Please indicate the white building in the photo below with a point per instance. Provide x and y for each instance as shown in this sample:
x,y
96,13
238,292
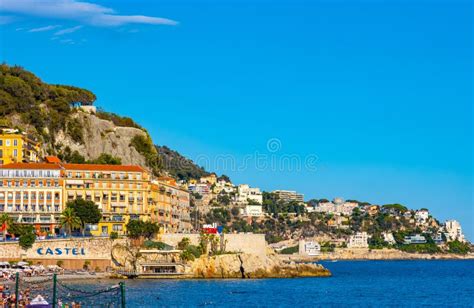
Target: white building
x,y
289,195
422,215
227,187
201,189
346,208
246,194
415,239
359,240
310,208
388,237
252,210
309,248
454,231
337,206
326,207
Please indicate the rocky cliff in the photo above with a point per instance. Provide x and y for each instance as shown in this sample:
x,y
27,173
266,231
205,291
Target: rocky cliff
x,y
252,266
103,136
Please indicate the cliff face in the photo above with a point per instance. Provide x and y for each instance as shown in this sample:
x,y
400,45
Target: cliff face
x,y
102,136
252,266
99,136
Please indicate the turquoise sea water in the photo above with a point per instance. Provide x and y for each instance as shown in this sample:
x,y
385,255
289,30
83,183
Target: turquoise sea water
x,y
354,283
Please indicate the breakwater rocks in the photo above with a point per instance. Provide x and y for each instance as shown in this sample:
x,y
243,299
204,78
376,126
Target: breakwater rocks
x,y
252,266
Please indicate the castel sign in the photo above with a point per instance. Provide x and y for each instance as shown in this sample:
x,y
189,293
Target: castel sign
x,y
61,251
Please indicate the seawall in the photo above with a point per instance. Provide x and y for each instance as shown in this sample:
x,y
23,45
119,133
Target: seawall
x,y
243,242
72,252
376,254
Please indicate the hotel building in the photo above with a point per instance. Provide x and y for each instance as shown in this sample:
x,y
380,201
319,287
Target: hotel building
x,y
32,193
37,194
119,191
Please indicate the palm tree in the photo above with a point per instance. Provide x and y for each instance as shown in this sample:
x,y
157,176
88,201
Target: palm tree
x,y
5,222
69,218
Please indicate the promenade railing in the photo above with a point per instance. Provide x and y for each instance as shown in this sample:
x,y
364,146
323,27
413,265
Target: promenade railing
x,y
59,293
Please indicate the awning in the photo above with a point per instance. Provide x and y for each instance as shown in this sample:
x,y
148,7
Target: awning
x,y
88,193
76,182
70,193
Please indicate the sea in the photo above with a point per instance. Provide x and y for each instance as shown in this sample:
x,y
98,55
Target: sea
x,y
353,284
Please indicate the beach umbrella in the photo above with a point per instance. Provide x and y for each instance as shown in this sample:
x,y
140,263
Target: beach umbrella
x,y
39,302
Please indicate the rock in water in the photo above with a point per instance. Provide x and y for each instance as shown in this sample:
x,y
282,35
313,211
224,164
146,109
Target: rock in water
x,y
252,266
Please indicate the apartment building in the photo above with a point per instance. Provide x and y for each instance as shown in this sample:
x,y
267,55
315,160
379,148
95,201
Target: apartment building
x,y
454,231
16,146
248,195
32,193
289,195
170,205
119,191
359,240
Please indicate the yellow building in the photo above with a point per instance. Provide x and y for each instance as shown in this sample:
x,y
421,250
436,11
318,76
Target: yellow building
x,y
16,146
121,193
170,205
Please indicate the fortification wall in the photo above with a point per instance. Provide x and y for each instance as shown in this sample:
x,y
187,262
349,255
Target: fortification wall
x,y
242,242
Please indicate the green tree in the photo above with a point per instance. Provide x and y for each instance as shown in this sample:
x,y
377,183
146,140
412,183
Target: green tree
x,y
87,211
70,220
27,239
184,243
223,199
138,228
26,233
458,247
107,159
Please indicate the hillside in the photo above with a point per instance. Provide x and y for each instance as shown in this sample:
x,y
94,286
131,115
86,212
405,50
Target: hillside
x,y
179,166
47,112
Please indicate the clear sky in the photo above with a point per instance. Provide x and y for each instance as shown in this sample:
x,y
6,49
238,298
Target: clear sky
x,y
368,100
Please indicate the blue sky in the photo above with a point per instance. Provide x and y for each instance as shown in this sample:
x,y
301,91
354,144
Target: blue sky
x,y
369,100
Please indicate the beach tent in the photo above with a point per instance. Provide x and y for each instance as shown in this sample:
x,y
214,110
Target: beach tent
x,y
39,302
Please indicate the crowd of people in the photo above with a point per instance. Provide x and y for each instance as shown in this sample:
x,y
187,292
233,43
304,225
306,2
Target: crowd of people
x,y
8,298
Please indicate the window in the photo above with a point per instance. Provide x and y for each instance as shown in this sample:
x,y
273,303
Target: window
x,y
1,152
15,142
15,153
7,142
1,142
117,227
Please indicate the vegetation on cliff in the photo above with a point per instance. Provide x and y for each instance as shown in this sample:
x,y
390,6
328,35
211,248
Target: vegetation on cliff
x,y
179,166
43,106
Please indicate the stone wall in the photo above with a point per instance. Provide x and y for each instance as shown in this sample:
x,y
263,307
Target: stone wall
x,y
175,238
73,252
242,242
246,243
